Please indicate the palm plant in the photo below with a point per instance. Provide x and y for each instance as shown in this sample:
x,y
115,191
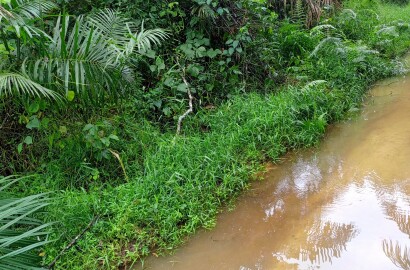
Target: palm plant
x,y
89,55
20,15
20,233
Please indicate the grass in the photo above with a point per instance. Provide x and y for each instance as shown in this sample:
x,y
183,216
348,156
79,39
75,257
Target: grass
x,y
187,179
178,184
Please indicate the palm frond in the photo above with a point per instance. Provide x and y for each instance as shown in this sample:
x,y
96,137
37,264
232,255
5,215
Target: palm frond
x,y
89,55
145,39
79,58
124,34
33,9
18,84
20,233
204,12
112,24
20,12
4,13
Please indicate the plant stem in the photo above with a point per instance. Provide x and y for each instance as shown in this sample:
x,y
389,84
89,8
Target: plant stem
x,y
18,50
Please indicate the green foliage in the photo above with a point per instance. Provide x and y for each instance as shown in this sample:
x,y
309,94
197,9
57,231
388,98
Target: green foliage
x,y
98,141
17,84
92,57
261,86
398,2
21,235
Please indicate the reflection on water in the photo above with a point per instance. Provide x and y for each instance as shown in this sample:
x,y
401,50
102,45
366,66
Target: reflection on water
x,y
398,255
323,242
400,216
343,206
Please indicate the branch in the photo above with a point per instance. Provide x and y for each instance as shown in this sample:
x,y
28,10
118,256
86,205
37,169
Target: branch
x,y
74,241
191,108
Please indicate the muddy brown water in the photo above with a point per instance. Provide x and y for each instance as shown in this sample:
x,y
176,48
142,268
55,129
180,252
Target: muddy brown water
x,y
343,205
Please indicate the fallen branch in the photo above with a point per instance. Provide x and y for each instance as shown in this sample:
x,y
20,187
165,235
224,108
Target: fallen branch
x,y
74,241
191,107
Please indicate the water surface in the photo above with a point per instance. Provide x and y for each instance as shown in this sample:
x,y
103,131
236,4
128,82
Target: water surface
x,y
343,205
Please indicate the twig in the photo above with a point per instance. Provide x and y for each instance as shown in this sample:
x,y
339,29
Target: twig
x,y
74,241
191,108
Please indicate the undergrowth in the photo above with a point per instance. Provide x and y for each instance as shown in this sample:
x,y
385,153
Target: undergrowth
x,y
149,188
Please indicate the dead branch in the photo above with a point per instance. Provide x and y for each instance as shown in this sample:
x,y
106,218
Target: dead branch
x,y
74,241
191,107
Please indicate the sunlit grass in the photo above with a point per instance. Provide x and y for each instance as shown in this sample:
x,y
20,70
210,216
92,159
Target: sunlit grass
x,y
387,12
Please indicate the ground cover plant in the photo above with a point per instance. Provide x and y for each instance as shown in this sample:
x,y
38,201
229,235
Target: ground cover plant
x,y
91,99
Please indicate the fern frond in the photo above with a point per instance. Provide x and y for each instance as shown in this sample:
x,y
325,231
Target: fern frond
x,y
313,84
323,29
204,12
328,40
388,30
349,14
298,14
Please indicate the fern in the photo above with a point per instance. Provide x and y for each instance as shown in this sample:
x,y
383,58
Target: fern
x,y
349,14
388,31
323,29
326,41
298,14
313,84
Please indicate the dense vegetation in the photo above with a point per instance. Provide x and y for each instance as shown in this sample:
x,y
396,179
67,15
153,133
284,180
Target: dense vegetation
x,y
140,119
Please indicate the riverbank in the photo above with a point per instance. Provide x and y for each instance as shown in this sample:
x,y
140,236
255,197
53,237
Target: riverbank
x,y
177,184
317,209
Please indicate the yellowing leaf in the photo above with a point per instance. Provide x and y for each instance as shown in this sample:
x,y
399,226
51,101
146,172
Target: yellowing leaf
x,y
70,95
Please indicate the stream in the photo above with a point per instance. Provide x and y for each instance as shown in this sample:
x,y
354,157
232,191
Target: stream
x,y
342,205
